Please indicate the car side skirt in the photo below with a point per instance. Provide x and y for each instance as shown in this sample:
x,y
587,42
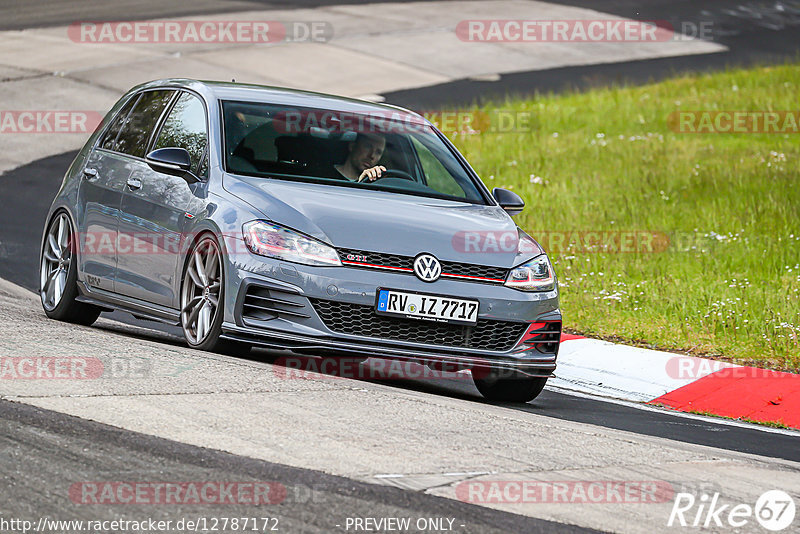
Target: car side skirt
x,y
138,308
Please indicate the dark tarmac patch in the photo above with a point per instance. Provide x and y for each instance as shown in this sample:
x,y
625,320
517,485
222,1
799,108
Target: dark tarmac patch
x,y
46,453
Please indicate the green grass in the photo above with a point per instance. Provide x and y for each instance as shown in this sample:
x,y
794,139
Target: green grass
x,y
728,283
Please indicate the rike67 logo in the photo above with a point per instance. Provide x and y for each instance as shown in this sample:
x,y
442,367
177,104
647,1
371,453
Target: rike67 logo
x,y
774,510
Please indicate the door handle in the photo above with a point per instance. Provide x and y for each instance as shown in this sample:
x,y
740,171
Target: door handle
x,y
90,173
134,184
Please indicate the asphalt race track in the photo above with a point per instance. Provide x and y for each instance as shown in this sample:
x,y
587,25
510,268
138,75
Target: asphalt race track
x,y
47,444
752,36
752,39
221,422
32,186
57,12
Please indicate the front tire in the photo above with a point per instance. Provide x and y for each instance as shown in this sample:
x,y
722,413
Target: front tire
x,y
58,275
202,300
508,386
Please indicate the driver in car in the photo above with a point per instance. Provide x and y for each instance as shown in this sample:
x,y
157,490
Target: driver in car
x,y
364,154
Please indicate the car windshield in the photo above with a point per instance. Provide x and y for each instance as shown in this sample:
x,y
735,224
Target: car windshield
x,y
344,149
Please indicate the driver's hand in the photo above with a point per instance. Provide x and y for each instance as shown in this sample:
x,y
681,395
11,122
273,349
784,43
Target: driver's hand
x,y
372,174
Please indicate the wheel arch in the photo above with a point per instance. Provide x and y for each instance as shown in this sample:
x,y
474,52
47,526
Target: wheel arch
x,y
203,229
192,241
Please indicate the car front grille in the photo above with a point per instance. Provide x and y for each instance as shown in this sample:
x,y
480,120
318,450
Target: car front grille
x,y
395,262
361,320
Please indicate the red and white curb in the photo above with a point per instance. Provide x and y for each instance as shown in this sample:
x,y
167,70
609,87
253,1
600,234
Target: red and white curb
x,y
683,383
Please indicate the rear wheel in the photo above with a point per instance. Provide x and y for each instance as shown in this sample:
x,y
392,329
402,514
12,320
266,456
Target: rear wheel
x,y
202,300
508,386
58,275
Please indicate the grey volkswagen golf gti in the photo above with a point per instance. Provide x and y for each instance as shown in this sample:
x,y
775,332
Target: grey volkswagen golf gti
x,y
257,216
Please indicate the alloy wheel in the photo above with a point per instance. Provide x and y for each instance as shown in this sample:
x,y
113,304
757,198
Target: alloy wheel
x,y
201,291
56,256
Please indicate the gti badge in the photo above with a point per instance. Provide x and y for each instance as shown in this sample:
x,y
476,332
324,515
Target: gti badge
x,y
427,268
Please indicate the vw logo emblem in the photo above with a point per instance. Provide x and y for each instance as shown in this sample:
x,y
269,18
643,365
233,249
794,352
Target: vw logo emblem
x,y
427,268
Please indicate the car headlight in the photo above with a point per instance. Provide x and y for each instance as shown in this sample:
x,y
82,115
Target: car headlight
x,y
534,275
268,239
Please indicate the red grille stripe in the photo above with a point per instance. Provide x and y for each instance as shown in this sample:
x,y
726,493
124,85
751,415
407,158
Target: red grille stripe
x,y
407,270
404,269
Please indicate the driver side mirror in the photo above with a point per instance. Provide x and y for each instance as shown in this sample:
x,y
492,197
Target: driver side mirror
x,y
174,161
508,200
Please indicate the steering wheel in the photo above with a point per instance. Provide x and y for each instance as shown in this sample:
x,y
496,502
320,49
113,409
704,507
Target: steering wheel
x,y
395,173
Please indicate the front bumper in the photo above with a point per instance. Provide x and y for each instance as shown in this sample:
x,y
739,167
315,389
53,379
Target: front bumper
x,y
272,304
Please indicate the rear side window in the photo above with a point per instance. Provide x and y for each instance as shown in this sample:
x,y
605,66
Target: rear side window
x,y
185,127
140,123
110,138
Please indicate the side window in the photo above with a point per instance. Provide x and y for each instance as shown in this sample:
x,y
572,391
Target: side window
x,y
139,125
186,128
436,175
110,138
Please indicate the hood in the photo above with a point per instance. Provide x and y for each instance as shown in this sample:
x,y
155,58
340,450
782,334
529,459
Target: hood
x,y
392,223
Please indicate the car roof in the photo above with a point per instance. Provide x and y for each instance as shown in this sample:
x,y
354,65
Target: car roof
x,y
279,96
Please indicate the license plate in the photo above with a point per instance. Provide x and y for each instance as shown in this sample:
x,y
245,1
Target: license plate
x,y
427,307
